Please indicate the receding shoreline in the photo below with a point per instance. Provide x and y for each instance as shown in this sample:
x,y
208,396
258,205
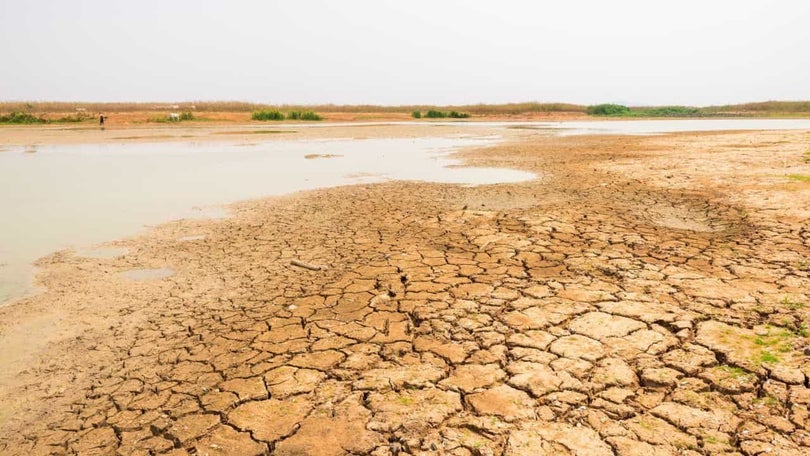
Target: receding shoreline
x,y
648,285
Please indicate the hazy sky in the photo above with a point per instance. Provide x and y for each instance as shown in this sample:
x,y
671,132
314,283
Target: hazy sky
x,y
402,52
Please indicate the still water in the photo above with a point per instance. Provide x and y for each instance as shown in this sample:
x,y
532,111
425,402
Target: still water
x,y
56,197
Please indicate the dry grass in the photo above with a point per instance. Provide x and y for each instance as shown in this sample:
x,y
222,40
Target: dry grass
x,y
761,109
236,106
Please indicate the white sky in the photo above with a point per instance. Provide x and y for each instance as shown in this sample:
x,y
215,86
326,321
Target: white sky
x,y
403,52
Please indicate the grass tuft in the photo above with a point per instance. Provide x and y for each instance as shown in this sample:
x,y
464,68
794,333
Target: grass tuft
x,y
799,177
768,357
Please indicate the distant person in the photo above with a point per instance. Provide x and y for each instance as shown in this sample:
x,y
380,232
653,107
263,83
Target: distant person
x,y
101,120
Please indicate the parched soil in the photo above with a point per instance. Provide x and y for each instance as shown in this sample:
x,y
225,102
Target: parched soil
x,y
644,296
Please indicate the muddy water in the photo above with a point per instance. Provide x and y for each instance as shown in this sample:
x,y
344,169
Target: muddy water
x,y
605,126
58,197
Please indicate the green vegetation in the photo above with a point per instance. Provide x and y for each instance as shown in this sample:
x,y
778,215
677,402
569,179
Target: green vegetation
x,y
761,109
616,110
736,372
799,177
768,357
303,115
273,114
608,110
434,114
765,108
791,304
777,340
267,114
668,111
19,117
416,114
185,115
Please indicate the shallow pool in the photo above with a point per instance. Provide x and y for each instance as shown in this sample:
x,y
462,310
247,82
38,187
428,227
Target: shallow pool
x,y
56,197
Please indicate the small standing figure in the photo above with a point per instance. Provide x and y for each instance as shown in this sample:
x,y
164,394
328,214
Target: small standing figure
x,y
101,120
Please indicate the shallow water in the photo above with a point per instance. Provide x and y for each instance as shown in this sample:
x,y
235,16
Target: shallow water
x,y
81,195
607,126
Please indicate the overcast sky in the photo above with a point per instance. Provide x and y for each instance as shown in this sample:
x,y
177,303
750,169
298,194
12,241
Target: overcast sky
x,y
406,52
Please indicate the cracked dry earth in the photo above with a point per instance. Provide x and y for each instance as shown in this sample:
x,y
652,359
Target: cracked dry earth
x,y
627,302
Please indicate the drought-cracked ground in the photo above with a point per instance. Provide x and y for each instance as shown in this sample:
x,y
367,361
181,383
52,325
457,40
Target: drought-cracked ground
x,y
644,296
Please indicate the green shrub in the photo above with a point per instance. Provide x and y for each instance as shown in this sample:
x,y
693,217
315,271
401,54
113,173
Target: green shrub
x,y
186,115
267,114
458,115
303,115
433,114
416,114
18,117
310,115
608,110
669,111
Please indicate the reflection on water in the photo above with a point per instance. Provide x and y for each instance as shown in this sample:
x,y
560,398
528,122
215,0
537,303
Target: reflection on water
x,y
79,195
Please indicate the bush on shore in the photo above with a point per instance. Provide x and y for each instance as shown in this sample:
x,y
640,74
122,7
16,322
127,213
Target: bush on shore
x,y
303,115
19,117
434,114
608,110
267,114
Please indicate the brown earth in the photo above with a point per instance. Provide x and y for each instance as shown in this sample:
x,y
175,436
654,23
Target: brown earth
x,y
643,296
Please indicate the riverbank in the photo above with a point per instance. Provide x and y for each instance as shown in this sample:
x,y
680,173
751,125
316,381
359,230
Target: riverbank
x,y
644,295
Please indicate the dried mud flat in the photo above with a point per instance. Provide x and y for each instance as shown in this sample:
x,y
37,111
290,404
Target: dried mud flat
x,y
645,296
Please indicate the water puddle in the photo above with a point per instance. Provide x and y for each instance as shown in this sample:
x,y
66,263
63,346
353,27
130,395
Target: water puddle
x,y
70,196
147,274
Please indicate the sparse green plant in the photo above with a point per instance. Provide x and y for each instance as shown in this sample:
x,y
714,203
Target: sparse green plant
x,y
799,177
736,372
267,114
768,357
416,114
186,115
18,117
458,115
791,304
434,114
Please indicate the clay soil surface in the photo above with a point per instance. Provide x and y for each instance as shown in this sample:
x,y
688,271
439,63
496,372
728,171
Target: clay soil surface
x,y
644,296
